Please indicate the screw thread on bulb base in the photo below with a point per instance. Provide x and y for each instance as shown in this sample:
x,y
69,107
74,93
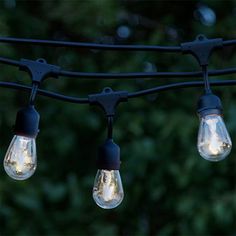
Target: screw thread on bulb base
x,y
108,156
27,122
209,104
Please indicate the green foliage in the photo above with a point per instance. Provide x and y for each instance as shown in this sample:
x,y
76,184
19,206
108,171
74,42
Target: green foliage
x,y
169,189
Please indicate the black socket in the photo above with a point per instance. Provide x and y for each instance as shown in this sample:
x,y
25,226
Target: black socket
x,y
108,156
209,104
27,122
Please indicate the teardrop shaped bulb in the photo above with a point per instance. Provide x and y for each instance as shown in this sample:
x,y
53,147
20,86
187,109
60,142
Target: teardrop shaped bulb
x,y
214,143
108,190
21,160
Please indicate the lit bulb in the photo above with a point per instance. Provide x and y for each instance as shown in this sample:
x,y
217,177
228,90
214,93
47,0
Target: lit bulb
x,y
21,160
214,142
107,190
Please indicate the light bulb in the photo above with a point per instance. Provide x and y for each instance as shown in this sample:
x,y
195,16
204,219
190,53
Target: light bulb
x,y
214,142
21,160
108,190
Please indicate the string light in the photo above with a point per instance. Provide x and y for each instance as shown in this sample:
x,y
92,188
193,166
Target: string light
x,y
108,190
214,142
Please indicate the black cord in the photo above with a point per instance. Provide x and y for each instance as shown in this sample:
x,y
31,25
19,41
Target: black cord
x,y
179,85
109,127
206,80
138,75
55,43
131,75
154,90
33,93
229,42
90,45
45,93
87,75
10,62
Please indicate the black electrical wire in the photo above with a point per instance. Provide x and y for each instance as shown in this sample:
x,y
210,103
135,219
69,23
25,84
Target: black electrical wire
x,y
90,45
135,75
55,43
206,79
34,90
45,93
128,75
154,90
229,42
109,127
10,62
179,85
138,75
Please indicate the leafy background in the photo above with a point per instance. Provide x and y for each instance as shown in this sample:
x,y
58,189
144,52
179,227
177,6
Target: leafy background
x,y
169,189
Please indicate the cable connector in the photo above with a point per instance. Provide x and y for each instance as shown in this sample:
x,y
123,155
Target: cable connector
x,y
108,100
201,48
39,69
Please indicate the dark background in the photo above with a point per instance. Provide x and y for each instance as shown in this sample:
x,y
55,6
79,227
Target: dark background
x,y
169,188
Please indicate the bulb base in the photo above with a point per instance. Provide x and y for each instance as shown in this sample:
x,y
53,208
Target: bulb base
x,y
27,122
209,104
108,156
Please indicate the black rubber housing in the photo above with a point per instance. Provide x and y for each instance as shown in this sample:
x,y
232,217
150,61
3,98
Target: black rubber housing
x,y
201,48
27,122
209,104
108,156
108,100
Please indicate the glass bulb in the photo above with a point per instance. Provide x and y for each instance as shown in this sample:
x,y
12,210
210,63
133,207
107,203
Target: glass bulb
x,y
107,190
21,160
214,142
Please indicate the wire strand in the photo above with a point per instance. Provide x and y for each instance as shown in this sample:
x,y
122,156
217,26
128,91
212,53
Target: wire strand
x,y
109,127
56,43
179,85
33,93
139,75
45,93
129,75
206,80
140,93
90,45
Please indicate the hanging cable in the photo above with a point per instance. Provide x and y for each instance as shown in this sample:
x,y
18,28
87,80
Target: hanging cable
x,y
109,127
33,93
206,79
